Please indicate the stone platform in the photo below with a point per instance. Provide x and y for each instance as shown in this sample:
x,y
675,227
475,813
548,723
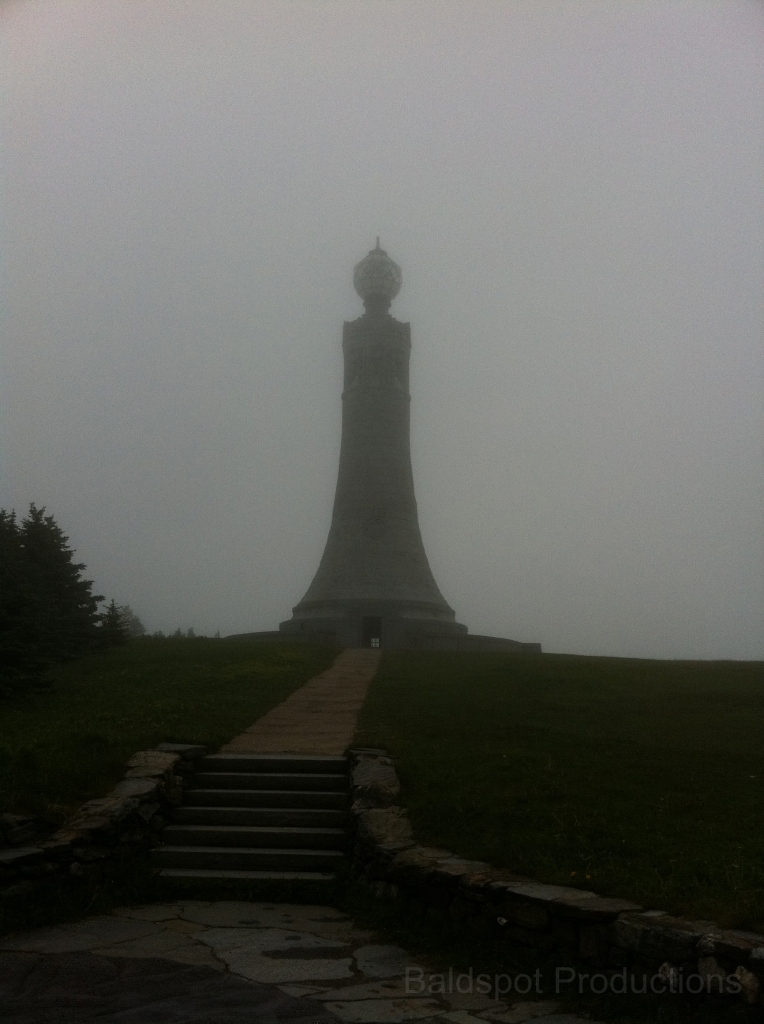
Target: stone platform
x,y
229,963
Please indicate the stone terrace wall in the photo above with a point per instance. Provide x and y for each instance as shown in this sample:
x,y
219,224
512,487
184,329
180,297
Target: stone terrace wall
x,y
571,924
129,818
474,642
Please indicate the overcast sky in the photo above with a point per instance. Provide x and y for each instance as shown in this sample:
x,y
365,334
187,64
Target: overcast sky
x,y
574,192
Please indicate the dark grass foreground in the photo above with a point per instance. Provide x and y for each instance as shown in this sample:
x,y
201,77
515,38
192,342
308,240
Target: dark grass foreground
x,y
640,779
60,748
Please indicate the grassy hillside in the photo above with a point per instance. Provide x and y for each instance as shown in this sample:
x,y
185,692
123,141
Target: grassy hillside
x,y
60,748
641,779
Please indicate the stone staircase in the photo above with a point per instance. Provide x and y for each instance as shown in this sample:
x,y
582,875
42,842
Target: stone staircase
x,y
258,818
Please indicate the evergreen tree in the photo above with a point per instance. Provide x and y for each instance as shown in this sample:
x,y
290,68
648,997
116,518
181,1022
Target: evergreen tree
x,y
47,611
64,609
19,659
113,630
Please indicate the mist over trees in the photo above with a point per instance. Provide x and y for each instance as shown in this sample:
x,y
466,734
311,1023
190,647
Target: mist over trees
x,y
130,621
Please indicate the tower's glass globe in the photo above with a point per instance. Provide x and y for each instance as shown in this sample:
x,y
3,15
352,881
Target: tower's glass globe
x,y
377,275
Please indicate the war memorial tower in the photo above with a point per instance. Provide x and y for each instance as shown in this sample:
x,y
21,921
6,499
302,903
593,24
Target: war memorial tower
x,y
374,586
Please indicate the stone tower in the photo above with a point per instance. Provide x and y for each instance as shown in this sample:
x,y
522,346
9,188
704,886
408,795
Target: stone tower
x,y
374,586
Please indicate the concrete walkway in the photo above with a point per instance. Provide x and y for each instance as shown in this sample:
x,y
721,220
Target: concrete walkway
x,y
320,717
232,963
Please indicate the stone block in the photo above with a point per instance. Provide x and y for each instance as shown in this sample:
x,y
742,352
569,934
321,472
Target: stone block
x,y
453,868
661,938
56,849
136,788
499,886
147,811
546,893
89,828
148,764
384,825
587,906
389,850
755,963
730,945
750,984
375,779
18,856
415,863
708,968
527,915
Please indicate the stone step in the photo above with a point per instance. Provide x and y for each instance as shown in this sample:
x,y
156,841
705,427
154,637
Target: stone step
x,y
209,874
242,858
258,836
325,781
288,817
295,798
270,763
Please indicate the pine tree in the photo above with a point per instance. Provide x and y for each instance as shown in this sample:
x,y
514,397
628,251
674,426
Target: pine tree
x,y
113,630
19,658
64,609
47,611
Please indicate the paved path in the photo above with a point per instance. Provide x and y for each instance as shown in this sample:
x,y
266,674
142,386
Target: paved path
x,y
230,963
320,717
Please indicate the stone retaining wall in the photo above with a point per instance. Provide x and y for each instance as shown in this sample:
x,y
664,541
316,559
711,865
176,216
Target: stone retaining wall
x,y
569,924
130,817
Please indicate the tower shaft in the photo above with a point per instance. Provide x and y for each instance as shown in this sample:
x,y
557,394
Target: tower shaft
x,y
374,583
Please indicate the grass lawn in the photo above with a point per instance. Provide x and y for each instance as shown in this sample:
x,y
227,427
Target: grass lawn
x,y
61,748
640,779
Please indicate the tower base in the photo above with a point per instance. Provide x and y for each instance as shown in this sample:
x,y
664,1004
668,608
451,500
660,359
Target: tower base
x,y
373,623
356,623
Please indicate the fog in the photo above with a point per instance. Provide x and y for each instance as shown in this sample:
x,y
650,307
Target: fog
x,y
573,190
